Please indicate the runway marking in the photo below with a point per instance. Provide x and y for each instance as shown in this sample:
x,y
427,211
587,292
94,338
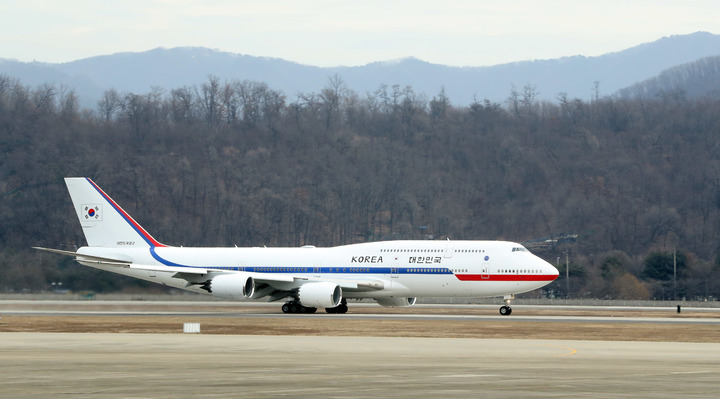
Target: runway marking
x,y
572,351
295,391
694,372
467,375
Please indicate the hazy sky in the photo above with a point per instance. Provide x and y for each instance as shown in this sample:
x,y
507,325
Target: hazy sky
x,y
331,33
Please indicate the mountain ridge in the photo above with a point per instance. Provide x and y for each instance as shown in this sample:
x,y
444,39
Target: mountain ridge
x,y
140,72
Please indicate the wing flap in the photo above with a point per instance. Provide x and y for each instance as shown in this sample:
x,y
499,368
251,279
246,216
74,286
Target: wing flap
x,y
274,278
361,285
172,269
345,284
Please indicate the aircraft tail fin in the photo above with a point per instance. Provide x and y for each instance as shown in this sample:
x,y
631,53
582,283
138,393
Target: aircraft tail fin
x,y
104,222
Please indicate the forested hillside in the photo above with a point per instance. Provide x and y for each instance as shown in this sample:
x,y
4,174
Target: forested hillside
x,y
694,79
239,163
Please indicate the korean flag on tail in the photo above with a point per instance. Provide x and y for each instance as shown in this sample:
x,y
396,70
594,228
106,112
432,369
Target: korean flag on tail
x,y
91,212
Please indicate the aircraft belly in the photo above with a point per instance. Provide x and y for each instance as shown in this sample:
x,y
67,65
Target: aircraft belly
x,y
152,276
411,286
498,288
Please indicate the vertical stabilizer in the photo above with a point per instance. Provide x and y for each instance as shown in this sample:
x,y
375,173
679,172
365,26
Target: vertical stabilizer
x,y
103,221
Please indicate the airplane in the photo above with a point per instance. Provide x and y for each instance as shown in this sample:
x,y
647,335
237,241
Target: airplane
x,y
392,273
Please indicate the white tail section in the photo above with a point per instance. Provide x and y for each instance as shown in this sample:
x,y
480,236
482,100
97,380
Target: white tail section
x,y
103,221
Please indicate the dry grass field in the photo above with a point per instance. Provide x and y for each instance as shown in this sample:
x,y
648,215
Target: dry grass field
x,y
222,318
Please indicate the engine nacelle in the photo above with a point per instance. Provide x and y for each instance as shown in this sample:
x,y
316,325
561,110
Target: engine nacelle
x,y
231,286
320,295
392,302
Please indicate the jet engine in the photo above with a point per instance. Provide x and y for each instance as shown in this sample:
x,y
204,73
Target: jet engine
x,y
391,302
231,286
320,295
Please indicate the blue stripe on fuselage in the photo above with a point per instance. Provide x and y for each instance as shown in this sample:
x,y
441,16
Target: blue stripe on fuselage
x,y
310,270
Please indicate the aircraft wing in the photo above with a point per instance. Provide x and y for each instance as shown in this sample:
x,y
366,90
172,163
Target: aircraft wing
x,y
186,273
191,274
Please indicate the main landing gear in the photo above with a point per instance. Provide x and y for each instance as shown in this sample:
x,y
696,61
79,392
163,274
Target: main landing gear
x,y
341,308
506,310
296,307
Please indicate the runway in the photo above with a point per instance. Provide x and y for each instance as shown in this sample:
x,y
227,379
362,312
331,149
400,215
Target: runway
x,y
111,349
364,311
41,365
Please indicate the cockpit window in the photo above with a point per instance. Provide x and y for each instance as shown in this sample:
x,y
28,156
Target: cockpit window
x,y
519,249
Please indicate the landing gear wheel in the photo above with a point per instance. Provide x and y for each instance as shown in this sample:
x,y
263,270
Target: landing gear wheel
x,y
296,307
506,310
341,308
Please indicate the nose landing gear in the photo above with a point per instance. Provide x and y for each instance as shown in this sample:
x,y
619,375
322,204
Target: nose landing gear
x,y
506,310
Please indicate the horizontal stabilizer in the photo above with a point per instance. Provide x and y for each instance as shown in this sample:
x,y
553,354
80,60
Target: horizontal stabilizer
x,y
81,257
124,263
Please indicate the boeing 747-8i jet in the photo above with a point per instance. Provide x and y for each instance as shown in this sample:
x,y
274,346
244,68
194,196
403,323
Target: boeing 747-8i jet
x,y
392,273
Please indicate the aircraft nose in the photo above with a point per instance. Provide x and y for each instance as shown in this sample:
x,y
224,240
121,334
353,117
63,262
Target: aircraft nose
x,y
549,269
553,270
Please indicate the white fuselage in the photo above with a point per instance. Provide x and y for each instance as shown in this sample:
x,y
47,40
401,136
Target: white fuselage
x,y
400,268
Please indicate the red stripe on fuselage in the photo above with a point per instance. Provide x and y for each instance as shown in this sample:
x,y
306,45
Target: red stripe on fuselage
x,y
506,277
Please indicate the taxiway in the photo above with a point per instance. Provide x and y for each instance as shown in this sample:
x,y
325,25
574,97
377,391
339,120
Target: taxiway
x,y
41,365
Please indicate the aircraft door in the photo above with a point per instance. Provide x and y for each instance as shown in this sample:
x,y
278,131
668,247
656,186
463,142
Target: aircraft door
x,y
485,273
317,269
394,271
449,249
